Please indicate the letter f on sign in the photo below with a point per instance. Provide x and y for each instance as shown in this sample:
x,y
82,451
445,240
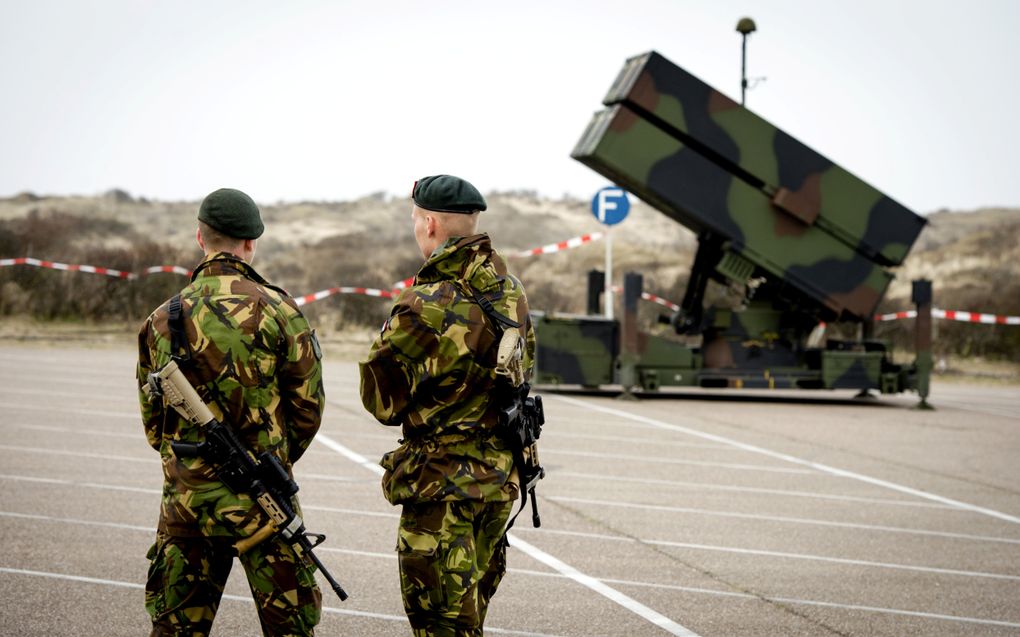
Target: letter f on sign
x,y
604,201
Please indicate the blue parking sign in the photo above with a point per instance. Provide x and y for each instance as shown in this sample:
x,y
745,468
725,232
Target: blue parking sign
x,y
610,205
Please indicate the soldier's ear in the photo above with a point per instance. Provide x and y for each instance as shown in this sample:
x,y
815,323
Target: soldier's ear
x,y
249,250
198,237
430,225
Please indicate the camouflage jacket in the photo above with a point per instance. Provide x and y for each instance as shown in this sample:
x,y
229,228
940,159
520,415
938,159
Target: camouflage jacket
x,y
256,363
432,371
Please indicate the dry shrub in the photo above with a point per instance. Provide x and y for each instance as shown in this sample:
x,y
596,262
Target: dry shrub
x,y
309,246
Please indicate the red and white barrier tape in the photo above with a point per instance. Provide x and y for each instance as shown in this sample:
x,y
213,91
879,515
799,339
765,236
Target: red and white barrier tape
x,y
93,269
176,269
651,297
562,245
951,315
661,301
547,249
400,285
954,315
321,294
70,267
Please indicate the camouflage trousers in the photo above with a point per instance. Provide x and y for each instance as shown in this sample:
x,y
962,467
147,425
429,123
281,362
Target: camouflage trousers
x,y
452,556
187,576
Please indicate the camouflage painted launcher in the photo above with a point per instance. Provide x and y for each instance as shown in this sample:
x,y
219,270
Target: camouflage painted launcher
x,y
780,208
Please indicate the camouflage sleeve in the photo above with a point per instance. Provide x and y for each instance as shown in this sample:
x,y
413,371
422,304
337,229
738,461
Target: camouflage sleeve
x,y
396,364
300,377
152,413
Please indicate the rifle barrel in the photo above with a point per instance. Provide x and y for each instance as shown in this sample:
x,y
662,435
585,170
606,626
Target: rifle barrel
x,y
335,585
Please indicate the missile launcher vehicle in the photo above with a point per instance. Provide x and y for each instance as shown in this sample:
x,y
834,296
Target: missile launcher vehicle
x,y
808,243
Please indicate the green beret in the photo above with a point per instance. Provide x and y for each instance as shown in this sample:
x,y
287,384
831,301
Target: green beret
x,y
446,193
233,213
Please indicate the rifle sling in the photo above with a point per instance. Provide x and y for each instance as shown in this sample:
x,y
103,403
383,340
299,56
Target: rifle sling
x,y
501,322
178,339
486,306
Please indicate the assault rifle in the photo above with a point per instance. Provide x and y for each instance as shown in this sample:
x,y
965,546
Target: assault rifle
x,y
520,424
239,469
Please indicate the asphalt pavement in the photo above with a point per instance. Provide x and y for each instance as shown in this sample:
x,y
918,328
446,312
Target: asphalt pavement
x,y
710,513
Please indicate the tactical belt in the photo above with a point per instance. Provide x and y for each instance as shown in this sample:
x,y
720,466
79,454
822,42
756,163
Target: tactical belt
x,y
483,433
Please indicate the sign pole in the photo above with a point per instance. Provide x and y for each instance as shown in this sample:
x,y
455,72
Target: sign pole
x,y
609,273
610,206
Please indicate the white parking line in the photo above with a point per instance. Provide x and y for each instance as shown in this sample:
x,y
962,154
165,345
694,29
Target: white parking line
x,y
629,603
14,392
795,460
77,483
76,454
636,440
57,381
834,560
719,593
809,602
388,437
687,510
75,431
391,556
376,514
48,518
239,598
329,478
892,611
602,588
71,410
651,507
661,460
785,519
756,490
799,556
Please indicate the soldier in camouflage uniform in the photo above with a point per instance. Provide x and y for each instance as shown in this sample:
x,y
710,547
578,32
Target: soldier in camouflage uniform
x,y
432,371
255,361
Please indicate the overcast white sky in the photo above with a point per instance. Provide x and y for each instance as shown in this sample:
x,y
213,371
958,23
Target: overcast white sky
x,y
334,100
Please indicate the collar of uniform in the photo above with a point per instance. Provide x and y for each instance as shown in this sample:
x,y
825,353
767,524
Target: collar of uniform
x,y
454,258
225,263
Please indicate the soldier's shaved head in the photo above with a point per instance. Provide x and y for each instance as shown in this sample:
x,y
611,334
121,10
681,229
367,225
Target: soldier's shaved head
x,y
456,224
216,239
432,229
212,240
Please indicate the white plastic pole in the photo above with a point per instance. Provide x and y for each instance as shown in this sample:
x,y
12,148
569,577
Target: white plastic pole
x,y
608,295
